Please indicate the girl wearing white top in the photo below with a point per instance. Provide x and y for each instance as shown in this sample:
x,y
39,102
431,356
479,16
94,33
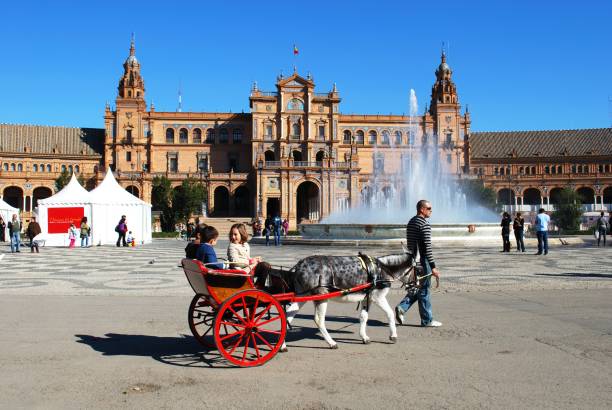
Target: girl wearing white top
x,y
72,234
239,250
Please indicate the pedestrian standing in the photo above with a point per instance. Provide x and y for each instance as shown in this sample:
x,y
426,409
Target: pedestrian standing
x,y
121,230
505,225
31,232
519,232
85,232
541,228
277,222
268,227
418,241
15,233
2,230
72,235
285,227
602,228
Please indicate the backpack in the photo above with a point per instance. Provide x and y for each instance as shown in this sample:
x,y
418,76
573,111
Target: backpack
x,y
117,229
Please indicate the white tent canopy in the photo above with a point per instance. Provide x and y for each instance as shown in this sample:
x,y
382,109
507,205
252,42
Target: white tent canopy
x,y
56,212
109,202
7,212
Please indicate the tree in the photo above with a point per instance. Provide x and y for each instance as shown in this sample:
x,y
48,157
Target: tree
x,y
476,192
64,177
188,199
568,211
161,200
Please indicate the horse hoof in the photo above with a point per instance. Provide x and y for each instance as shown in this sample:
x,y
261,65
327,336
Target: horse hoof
x,y
366,341
283,350
333,346
393,339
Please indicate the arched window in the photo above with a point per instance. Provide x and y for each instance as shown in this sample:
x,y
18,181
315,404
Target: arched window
x,y
295,104
359,137
76,169
559,169
237,136
197,136
35,168
19,167
385,138
210,136
533,170
398,138
183,136
70,168
223,136
170,136
48,167
295,128
346,137
372,137
63,168
13,167
42,167
521,171
547,169
5,166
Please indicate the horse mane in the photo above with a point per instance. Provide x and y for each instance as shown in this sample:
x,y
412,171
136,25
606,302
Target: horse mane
x,y
395,260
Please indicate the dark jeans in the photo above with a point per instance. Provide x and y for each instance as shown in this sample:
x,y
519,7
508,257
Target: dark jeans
x,y
602,234
121,238
506,240
520,245
34,245
277,236
423,296
542,242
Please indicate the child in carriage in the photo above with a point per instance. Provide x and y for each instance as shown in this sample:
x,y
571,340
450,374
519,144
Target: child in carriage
x,y
206,252
239,251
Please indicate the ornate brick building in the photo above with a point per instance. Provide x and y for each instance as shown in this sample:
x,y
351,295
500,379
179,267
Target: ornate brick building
x,y
295,153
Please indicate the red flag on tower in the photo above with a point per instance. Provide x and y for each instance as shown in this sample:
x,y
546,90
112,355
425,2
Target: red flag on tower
x,y
295,50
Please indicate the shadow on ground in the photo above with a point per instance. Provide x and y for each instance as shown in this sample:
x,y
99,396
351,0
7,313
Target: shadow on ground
x,y
578,275
185,350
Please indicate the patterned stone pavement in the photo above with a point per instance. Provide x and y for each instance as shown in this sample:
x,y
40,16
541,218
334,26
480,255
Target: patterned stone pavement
x,y
154,270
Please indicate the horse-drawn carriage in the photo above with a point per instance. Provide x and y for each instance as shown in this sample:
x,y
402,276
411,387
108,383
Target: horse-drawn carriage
x,y
247,321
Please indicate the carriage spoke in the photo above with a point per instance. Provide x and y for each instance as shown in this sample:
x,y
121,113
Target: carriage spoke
x,y
264,340
241,332
255,345
233,324
267,321
254,309
246,348
237,344
259,315
237,315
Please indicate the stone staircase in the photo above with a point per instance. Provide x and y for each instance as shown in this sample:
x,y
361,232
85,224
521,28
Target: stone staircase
x,y
223,225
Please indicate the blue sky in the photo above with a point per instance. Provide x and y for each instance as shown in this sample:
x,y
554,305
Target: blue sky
x,y
518,64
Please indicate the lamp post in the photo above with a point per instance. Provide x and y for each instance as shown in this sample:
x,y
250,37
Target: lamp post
x,y
260,199
202,169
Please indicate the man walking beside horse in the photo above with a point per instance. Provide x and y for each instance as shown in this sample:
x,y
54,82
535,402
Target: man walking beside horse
x,y
418,238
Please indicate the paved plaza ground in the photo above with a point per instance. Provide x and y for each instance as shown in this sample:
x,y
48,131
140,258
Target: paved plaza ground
x,y
106,327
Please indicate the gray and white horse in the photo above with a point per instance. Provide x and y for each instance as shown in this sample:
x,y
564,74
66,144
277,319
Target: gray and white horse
x,y
316,275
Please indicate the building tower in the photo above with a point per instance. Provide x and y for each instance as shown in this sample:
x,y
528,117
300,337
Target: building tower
x,y
127,129
449,126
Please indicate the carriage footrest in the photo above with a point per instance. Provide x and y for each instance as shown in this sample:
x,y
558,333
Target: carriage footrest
x,y
284,296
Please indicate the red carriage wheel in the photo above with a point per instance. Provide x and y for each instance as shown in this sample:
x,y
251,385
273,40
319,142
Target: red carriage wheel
x,y
201,317
250,328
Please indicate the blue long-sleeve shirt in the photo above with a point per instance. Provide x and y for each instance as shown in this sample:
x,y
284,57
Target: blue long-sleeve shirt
x,y
206,254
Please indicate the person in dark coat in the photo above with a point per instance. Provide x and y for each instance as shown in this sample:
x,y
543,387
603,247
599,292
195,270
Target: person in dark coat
x,y
2,230
519,232
121,229
505,224
31,232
